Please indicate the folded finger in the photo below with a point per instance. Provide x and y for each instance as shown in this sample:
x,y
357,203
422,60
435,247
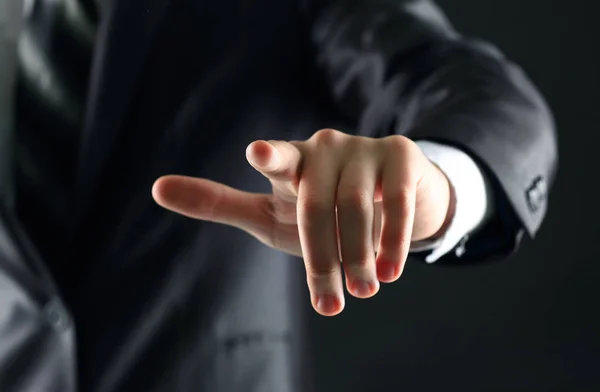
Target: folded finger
x,y
398,211
318,238
355,209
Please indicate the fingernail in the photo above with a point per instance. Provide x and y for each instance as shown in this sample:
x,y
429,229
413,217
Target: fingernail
x,y
275,158
363,288
386,271
327,304
262,159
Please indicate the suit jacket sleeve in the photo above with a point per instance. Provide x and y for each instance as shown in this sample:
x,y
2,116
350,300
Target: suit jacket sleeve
x,y
399,66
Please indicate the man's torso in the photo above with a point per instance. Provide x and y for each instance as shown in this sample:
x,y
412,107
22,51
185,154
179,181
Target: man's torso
x,y
161,302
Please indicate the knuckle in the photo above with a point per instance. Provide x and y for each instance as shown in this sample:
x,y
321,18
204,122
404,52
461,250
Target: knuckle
x,y
362,260
401,147
401,197
320,272
328,136
355,199
313,207
398,143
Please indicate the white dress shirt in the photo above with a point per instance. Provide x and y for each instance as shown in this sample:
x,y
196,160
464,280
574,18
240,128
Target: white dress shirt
x,y
473,198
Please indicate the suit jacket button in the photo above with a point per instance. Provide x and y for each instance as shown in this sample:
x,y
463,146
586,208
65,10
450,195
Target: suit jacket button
x,y
57,315
536,194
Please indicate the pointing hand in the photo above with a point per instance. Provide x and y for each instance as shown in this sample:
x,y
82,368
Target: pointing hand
x,y
336,198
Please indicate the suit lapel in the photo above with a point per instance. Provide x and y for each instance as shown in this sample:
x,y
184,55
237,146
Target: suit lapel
x,y
124,39
11,20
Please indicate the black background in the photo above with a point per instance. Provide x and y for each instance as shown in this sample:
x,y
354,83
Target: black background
x,y
529,323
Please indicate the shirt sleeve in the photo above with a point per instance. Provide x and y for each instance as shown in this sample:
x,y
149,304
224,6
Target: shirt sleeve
x,y
472,195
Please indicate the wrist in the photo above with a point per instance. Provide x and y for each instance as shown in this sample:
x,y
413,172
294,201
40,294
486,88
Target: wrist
x,y
450,208
435,207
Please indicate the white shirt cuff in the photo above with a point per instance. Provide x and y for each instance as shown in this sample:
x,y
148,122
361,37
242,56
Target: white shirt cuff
x,y
472,195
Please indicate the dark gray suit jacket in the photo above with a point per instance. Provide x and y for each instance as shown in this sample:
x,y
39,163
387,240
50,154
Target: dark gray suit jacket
x,y
138,299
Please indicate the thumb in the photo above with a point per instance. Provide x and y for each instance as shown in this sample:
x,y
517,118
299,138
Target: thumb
x,y
211,201
279,161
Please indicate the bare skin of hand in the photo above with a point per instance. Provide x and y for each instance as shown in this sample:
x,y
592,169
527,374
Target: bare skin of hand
x,y
338,201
